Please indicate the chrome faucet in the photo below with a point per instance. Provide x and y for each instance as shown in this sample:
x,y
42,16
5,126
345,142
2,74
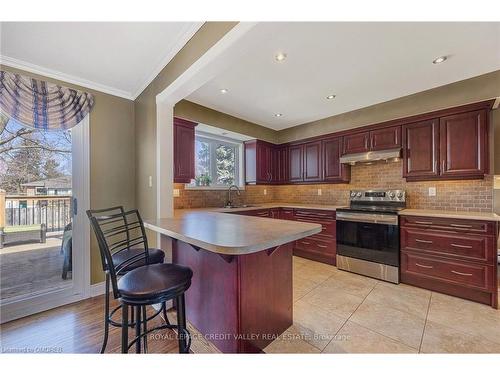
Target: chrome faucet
x,y
229,203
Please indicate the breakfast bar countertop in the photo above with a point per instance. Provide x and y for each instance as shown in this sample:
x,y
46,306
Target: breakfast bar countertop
x,y
231,234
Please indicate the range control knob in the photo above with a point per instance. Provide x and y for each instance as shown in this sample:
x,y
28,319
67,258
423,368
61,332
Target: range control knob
x,y
400,195
359,194
353,194
392,194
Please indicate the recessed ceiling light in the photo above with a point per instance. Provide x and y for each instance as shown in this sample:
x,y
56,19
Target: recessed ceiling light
x,y
331,96
224,91
278,114
280,56
439,60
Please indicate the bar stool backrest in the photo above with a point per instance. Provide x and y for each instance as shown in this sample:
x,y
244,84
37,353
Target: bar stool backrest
x,y
118,231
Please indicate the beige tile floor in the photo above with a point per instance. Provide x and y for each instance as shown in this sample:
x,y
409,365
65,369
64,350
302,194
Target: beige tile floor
x,y
341,312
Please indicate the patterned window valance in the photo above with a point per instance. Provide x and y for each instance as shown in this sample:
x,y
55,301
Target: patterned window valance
x,y
42,105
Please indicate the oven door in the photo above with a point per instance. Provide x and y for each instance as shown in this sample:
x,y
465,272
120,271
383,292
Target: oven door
x,y
372,240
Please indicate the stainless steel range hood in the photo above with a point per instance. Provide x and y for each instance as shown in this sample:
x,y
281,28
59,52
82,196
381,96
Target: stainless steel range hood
x,y
366,157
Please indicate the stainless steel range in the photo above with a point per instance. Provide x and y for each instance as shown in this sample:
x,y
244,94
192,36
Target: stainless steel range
x,y
368,233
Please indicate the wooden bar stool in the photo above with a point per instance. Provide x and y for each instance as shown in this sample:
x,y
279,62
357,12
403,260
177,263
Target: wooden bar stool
x,y
142,283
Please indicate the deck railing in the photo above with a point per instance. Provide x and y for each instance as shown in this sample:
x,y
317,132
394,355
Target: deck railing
x,y
54,211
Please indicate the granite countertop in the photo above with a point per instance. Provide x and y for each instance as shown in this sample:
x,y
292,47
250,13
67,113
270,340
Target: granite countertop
x,y
231,234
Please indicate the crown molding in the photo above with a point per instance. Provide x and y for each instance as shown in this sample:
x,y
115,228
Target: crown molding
x,y
37,69
185,35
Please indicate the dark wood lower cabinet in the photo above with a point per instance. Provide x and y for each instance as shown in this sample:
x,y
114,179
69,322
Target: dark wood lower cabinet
x,y
451,256
320,247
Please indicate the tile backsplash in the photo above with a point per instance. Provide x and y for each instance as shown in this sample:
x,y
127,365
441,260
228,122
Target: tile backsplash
x,y
460,195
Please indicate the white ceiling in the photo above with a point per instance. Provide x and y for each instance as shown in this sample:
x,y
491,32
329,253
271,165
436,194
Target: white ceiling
x,y
119,58
362,63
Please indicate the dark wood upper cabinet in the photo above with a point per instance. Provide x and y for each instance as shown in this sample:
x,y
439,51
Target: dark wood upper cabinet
x,y
385,138
374,140
280,164
421,150
184,143
333,171
313,162
356,143
258,162
464,147
295,171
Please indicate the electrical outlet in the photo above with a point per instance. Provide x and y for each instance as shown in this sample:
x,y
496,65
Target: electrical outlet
x,y
150,181
320,192
432,191
177,193
265,191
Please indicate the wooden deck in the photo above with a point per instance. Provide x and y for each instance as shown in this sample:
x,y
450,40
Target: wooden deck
x,y
31,268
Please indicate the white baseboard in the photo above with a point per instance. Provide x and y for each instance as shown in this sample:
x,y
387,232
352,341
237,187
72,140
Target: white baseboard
x,y
97,289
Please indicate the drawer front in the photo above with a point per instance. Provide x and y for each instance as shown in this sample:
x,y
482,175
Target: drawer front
x,y
468,247
462,273
315,214
328,228
456,225
313,245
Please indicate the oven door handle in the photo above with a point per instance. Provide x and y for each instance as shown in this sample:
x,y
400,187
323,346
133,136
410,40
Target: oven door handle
x,y
368,219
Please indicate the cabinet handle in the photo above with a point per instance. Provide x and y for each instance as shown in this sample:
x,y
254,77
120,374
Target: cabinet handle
x,y
322,246
436,166
460,226
423,265
442,166
424,222
422,241
305,243
461,273
461,246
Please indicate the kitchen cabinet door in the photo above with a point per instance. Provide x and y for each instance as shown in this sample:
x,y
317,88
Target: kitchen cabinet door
x,y
356,143
333,170
279,168
184,160
385,138
464,147
296,159
421,150
264,162
312,162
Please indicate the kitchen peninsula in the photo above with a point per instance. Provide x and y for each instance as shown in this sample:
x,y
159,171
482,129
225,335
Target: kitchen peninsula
x,y
241,293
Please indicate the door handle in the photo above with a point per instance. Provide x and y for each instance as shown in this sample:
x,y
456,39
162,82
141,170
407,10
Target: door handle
x,y
461,246
423,265
461,273
422,241
75,206
460,226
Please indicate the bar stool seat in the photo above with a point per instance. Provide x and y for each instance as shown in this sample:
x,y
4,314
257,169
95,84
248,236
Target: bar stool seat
x,y
154,283
155,256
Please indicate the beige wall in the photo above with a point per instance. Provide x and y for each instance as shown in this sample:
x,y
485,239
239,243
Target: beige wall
x,y
145,112
195,112
112,156
475,89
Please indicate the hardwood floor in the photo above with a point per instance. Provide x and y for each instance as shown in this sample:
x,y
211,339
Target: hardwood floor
x,y
75,328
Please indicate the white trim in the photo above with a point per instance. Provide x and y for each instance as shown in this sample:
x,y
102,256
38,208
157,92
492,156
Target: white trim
x,y
207,66
214,61
181,41
97,289
37,69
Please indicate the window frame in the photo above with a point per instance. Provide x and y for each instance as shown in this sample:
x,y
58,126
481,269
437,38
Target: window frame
x,y
214,141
